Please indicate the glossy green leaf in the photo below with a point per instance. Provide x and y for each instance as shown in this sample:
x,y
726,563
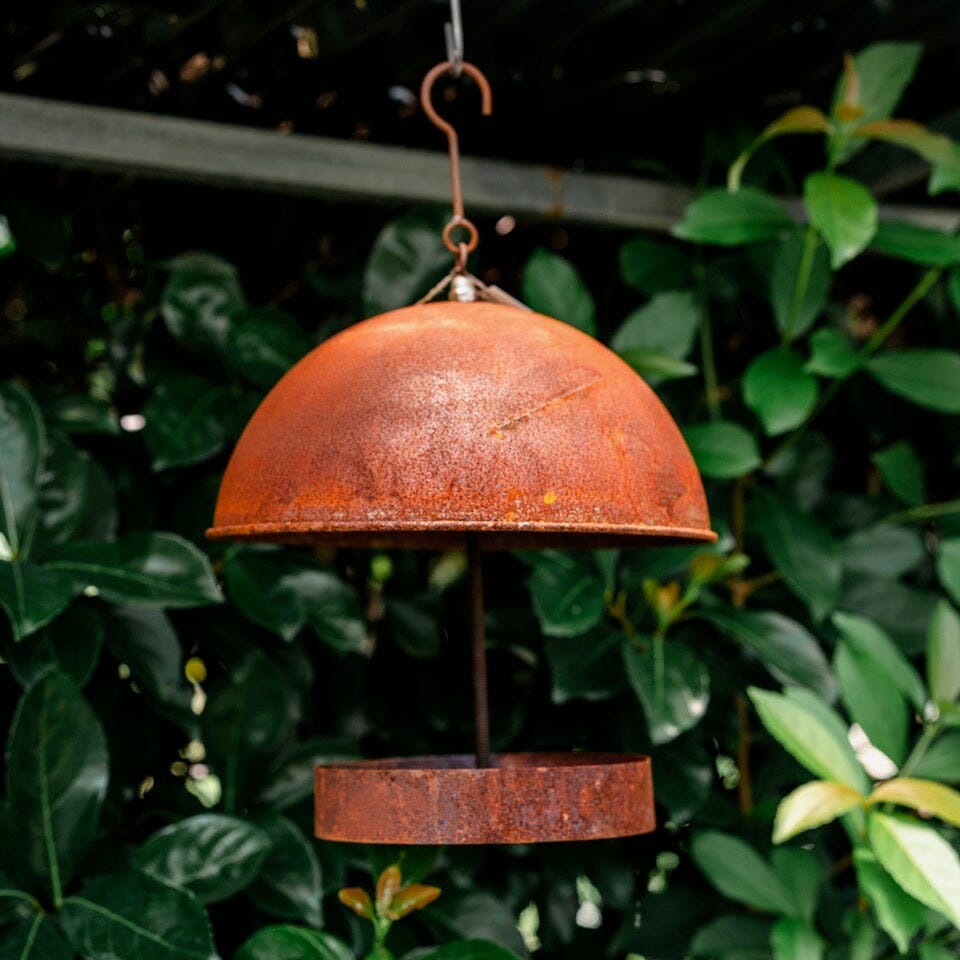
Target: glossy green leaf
x,y
71,644
22,440
924,796
844,213
145,569
789,651
32,596
551,285
740,873
948,566
289,885
652,266
831,354
34,937
131,915
811,806
902,611
902,472
585,667
186,421
567,592
795,939
883,72
801,873
290,777
470,950
898,914
263,343
667,324
884,550
812,733
869,642
722,449
672,685
779,391
920,860
213,855
943,654
941,761
793,320
287,942
732,219
407,259
657,367
801,548
56,780
200,299
474,915
871,701
920,245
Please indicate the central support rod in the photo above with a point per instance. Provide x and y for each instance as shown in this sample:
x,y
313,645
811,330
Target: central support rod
x,y
481,709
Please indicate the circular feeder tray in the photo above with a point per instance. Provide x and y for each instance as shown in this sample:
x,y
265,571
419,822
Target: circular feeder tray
x,y
519,798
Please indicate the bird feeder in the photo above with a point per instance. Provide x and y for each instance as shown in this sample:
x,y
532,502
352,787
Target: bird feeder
x,y
475,424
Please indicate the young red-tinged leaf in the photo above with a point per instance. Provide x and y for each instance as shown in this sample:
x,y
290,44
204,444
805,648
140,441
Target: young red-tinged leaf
x,y
813,805
414,896
934,147
924,796
387,887
849,107
358,900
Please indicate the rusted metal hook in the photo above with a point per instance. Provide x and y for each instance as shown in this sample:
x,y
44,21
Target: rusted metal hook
x,y
458,221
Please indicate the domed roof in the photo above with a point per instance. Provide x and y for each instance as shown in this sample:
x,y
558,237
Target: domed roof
x,y
419,426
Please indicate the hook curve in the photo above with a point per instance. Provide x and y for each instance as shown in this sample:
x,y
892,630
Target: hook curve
x,y
453,146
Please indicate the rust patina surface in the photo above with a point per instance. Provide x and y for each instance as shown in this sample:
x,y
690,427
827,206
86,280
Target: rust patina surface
x,y
420,425
521,798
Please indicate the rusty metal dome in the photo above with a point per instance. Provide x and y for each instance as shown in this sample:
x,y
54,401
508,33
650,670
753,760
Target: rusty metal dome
x,y
423,425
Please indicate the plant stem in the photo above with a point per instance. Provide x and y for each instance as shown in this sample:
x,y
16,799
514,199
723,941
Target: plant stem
x,y
802,282
926,511
707,357
744,787
930,733
865,352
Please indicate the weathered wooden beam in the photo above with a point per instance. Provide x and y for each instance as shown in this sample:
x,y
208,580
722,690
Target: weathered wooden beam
x,y
139,144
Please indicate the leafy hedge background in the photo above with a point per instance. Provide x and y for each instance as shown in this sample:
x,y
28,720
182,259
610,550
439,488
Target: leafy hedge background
x,y
164,698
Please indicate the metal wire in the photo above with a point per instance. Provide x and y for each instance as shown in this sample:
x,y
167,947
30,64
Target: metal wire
x,y
453,33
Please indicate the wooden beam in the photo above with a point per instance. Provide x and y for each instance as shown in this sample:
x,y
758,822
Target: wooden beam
x,y
140,144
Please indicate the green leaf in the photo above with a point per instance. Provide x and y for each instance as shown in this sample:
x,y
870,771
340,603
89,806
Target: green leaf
x,y
35,937
552,286
902,472
286,942
898,914
290,777
56,780
935,148
779,391
801,548
844,213
738,872
948,566
942,759
920,245
795,939
812,733
884,71
722,449
782,282
264,343
200,299
801,873
789,651
186,421
869,642
284,592
213,855
935,951
22,439
8,244
927,378
651,266
736,937
879,708
585,667
920,860
407,259
131,915
732,219
924,796
567,592
943,654
289,884
831,354
883,551
32,596
470,950
657,367
943,177
672,685
666,325
145,569
813,805
78,413
71,644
